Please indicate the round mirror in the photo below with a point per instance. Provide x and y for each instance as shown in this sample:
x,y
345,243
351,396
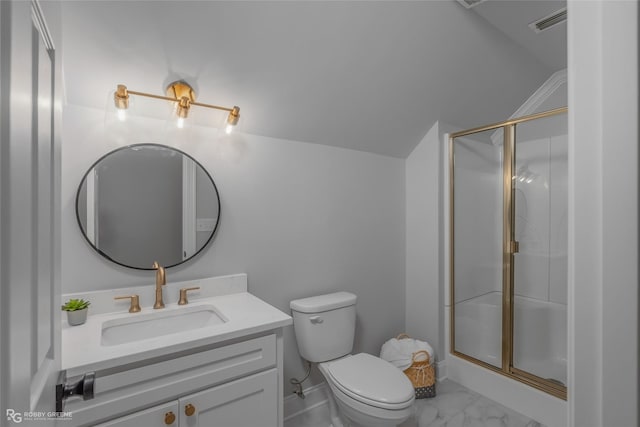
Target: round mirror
x,y
147,202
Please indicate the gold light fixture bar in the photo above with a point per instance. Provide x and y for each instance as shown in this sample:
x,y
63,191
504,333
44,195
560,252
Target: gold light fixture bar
x,y
180,93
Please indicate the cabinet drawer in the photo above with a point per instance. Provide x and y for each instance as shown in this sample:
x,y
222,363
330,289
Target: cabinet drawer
x,y
166,415
144,386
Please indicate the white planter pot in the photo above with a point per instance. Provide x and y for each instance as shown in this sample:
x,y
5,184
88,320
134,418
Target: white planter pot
x,y
77,317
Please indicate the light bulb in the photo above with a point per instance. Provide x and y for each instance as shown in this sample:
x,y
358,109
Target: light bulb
x,y
180,123
232,119
122,114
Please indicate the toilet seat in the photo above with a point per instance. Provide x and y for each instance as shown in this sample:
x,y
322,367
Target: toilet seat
x,y
370,380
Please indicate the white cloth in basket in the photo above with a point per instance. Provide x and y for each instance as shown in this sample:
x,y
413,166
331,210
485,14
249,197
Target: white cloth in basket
x,y
398,352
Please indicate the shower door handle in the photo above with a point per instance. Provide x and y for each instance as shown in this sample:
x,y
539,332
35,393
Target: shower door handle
x,y
515,246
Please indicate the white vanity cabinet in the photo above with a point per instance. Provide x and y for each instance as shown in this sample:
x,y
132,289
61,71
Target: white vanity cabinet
x,y
250,401
236,384
224,373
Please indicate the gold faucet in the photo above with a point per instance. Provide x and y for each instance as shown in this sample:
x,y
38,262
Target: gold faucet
x,y
161,280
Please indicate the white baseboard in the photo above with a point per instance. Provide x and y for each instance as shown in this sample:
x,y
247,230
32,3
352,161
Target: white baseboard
x,y
315,396
441,370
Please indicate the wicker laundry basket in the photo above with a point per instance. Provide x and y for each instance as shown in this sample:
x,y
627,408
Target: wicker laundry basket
x,y
421,373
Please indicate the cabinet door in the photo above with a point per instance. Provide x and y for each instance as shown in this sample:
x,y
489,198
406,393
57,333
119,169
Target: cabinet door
x,y
248,402
165,415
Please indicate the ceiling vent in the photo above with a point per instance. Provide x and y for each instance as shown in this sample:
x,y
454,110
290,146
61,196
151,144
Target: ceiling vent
x,y
470,3
549,21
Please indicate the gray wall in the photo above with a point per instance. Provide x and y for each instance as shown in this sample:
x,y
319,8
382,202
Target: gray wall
x,y
300,219
426,240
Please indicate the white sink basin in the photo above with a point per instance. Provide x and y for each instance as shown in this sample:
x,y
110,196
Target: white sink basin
x,y
138,327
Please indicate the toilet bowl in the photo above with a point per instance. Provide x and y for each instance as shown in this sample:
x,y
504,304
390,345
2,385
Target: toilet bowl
x,y
369,391
365,390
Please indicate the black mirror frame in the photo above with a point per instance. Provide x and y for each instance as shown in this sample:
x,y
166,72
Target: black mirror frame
x,y
84,177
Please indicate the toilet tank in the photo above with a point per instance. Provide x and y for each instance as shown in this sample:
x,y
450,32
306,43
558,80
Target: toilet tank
x,y
325,325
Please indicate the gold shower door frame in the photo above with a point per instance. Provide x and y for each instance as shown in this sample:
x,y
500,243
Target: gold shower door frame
x,y
509,248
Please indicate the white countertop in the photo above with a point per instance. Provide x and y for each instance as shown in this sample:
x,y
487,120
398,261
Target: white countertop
x,y
246,314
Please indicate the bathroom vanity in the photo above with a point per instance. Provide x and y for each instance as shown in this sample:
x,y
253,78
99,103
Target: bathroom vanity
x,y
216,361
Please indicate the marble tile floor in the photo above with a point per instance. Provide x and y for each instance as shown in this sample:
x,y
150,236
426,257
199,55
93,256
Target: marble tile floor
x,y
453,406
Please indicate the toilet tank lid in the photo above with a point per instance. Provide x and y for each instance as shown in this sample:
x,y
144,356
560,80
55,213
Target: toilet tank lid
x,y
325,302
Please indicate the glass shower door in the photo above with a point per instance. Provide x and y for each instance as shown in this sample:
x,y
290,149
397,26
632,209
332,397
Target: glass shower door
x,y
540,265
477,264
508,204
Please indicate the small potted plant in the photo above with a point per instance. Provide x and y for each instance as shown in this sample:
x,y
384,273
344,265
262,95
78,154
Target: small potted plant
x,y
76,311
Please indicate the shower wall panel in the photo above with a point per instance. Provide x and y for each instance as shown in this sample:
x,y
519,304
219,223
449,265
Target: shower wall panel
x,y
541,219
478,220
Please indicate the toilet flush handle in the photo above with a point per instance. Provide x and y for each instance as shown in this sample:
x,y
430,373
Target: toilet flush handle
x,y
316,319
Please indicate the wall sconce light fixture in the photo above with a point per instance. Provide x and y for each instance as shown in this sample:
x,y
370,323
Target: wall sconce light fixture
x,y
179,93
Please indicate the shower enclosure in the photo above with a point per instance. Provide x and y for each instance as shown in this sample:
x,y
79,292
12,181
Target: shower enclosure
x,y
508,224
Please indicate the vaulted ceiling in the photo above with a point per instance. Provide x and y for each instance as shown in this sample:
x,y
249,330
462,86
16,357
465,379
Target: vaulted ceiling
x,y
366,75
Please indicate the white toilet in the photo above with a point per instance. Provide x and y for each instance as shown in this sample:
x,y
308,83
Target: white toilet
x,y
369,391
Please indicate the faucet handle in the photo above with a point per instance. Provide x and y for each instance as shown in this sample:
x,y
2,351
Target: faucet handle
x,y
183,295
135,302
